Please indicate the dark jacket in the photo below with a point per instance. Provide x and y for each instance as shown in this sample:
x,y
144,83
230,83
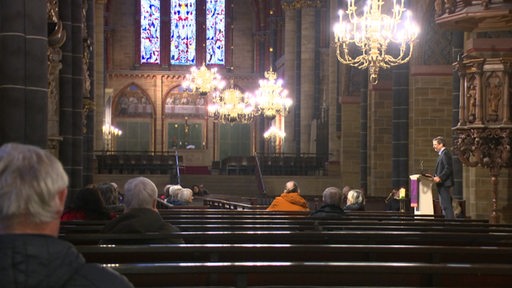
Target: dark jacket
x,y
29,260
328,211
140,221
354,207
444,168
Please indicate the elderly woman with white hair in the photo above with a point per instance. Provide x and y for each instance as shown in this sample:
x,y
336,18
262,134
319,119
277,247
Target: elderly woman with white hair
x,y
141,215
355,201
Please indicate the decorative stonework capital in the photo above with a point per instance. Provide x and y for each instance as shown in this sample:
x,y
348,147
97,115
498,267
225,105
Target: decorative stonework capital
x,y
300,4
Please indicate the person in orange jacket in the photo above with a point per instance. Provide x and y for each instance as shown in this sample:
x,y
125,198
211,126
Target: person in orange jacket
x,y
289,200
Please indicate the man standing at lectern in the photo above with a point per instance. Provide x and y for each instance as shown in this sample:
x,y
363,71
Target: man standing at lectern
x,y
443,176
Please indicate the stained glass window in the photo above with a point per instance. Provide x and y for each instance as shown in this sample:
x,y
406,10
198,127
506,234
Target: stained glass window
x,y
150,31
215,31
183,32
191,36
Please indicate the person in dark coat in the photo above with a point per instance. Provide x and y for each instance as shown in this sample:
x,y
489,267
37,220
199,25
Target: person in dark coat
x,y
141,216
443,176
331,208
33,190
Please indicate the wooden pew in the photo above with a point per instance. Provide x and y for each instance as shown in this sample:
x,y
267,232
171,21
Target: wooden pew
x,y
297,274
310,237
291,253
247,225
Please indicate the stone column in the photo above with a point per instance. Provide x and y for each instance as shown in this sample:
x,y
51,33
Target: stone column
x,y
400,126
333,91
290,74
307,76
364,132
71,93
23,72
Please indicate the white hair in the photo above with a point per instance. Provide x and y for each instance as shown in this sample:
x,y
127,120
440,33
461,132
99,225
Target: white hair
x,y
332,196
355,197
174,191
30,181
140,192
185,195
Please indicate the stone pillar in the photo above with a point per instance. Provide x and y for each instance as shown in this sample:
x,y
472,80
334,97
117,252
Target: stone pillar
x,y
290,74
101,96
23,72
364,132
333,91
71,93
307,76
400,127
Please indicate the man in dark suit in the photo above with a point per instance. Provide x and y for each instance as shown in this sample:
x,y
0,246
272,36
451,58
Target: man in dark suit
x,y
443,176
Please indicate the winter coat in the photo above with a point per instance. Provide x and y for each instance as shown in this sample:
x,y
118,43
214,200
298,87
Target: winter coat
x,y
140,221
328,211
30,260
288,201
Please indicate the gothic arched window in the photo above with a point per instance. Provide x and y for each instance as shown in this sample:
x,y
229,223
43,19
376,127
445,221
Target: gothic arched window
x,y
183,32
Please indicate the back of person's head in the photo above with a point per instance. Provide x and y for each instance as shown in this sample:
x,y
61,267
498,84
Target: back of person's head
x,y
30,182
89,200
332,196
173,191
355,197
185,195
291,187
140,192
109,193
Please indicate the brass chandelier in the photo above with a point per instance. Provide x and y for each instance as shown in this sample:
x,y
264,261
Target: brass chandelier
x,y
271,98
203,80
231,106
371,33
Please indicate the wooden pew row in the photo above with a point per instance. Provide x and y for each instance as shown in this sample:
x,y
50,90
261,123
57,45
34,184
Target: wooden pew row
x,y
300,274
291,253
307,237
231,226
302,224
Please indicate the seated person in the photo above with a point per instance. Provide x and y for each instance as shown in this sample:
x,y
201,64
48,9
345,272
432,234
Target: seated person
x,y
87,205
331,208
171,193
199,190
33,192
392,201
141,215
289,200
182,197
355,201
111,196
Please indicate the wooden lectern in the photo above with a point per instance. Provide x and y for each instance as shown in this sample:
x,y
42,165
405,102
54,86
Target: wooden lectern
x,y
421,194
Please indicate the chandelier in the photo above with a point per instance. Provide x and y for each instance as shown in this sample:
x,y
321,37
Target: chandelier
x,y
203,80
274,132
371,32
109,133
231,106
270,99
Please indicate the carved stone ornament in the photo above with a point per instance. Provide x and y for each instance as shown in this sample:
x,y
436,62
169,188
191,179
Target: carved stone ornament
x,y
299,4
88,102
483,135
56,38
